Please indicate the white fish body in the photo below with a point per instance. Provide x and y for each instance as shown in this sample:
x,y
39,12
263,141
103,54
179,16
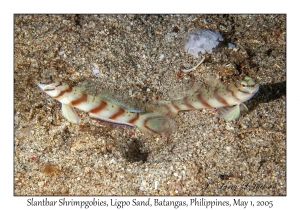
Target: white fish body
x,y
220,97
103,110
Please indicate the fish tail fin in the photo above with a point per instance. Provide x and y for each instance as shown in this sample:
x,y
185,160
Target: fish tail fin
x,y
165,107
155,123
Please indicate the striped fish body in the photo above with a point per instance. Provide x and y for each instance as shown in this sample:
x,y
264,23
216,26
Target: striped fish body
x,y
219,97
100,109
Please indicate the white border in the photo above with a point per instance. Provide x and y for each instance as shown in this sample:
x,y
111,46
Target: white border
x,y
154,6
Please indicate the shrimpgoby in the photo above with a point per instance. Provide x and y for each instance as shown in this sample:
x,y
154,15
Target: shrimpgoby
x,y
223,98
103,109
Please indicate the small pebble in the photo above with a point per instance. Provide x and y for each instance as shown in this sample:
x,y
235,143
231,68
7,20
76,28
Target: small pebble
x,y
229,148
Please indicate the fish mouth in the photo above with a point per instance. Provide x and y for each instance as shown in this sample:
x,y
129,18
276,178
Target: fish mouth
x,y
255,89
41,85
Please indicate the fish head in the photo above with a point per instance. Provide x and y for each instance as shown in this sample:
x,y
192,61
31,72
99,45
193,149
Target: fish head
x,y
248,85
47,83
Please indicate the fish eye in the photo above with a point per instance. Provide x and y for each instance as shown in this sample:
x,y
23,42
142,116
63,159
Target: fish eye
x,y
49,77
247,78
244,84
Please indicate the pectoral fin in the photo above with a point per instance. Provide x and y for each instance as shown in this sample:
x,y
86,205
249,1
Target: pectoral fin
x,y
69,113
243,107
229,113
